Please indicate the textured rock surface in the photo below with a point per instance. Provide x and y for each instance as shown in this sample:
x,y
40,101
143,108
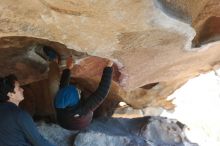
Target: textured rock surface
x,y
122,30
129,112
19,55
203,15
146,131
149,45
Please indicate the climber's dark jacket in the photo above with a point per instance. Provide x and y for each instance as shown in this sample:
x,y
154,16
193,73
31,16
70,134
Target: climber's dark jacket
x,y
66,107
17,127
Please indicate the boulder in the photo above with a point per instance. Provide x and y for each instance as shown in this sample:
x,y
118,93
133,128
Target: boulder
x,y
145,131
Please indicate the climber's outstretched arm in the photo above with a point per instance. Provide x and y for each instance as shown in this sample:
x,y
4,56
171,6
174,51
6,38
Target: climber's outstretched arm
x,y
66,74
97,97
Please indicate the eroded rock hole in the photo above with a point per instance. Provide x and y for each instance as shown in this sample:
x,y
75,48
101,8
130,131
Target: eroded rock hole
x,y
149,86
19,57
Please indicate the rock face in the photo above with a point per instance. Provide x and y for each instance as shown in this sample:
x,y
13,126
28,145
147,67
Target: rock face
x,y
202,15
146,131
154,131
151,42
